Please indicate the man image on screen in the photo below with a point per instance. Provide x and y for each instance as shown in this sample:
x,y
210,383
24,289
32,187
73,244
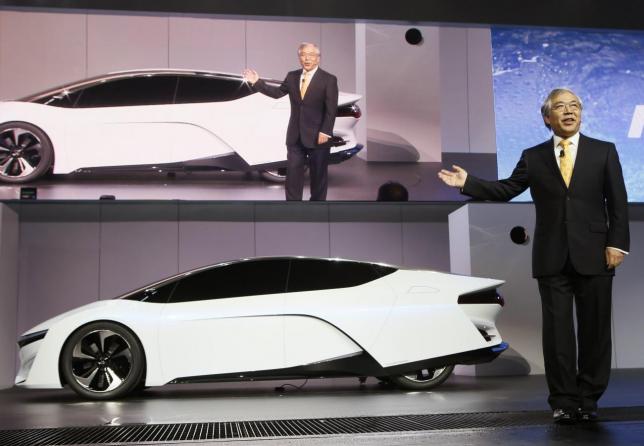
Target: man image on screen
x,y
581,236
313,94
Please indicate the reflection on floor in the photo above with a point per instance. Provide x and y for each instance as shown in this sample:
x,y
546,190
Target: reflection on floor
x,y
353,180
339,398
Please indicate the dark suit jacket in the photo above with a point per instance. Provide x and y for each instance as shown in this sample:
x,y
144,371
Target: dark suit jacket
x,y
579,221
311,115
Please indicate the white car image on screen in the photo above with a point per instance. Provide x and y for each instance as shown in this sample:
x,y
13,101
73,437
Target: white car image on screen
x,y
155,118
266,318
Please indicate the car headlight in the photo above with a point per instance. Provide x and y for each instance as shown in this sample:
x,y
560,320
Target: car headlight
x,y
31,337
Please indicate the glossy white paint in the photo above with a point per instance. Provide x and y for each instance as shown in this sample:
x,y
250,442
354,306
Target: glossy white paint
x,y
302,332
403,317
222,336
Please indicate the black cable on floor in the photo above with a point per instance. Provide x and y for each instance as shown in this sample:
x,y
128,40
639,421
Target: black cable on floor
x,y
282,388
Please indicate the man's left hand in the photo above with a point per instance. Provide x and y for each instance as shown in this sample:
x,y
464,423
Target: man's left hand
x,y
613,258
322,138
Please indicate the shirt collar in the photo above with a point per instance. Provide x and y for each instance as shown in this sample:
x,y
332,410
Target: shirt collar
x,y
310,73
574,139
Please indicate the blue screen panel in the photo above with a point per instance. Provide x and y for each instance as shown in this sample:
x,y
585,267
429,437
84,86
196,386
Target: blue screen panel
x,y
606,69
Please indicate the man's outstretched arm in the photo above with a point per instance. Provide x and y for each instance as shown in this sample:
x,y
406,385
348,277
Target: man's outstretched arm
x,y
252,77
502,190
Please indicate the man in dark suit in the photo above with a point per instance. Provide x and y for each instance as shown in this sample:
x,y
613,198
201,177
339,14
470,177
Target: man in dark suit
x,y
314,104
581,235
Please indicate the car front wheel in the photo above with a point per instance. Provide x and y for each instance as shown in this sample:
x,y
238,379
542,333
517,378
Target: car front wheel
x,y
423,379
102,361
26,153
274,175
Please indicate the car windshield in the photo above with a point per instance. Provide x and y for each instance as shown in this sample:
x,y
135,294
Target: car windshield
x,y
60,89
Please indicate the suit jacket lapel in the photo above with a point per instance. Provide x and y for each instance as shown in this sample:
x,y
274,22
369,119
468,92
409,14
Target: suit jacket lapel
x,y
548,155
312,82
581,159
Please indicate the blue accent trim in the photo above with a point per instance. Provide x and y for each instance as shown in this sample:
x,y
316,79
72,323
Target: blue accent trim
x,y
338,157
503,346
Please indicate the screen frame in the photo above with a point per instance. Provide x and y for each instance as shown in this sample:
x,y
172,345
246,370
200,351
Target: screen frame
x,y
557,13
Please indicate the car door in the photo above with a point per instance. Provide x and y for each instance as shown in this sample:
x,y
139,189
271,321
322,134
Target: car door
x,y
227,319
220,115
121,122
336,309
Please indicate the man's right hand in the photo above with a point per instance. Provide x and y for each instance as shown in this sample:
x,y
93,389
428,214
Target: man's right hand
x,y
250,76
454,178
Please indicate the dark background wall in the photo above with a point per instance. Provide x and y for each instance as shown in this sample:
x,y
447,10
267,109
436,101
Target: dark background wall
x,y
623,14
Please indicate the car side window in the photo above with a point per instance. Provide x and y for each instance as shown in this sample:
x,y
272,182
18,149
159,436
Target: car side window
x,y
320,274
131,91
246,278
194,89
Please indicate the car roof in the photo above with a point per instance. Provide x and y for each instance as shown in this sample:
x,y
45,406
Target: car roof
x,y
147,72
248,259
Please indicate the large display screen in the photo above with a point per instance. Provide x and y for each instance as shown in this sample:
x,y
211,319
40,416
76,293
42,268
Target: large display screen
x,y
606,69
172,118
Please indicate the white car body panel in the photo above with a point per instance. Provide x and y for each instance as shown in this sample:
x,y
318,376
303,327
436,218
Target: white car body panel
x,y
360,315
302,332
257,139
224,335
405,316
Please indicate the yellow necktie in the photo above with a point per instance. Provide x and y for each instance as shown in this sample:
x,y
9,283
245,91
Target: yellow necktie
x,y
305,84
565,161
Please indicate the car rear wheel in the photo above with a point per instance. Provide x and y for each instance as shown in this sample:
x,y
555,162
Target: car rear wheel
x,y
26,152
423,379
102,361
277,175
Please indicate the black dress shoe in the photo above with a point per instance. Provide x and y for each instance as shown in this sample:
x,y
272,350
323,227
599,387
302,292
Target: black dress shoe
x,y
564,416
586,415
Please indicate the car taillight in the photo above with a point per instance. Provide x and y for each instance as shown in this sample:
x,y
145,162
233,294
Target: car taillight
x,y
349,111
482,297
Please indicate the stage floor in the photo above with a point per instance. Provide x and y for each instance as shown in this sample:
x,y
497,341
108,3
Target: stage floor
x,y
352,180
512,397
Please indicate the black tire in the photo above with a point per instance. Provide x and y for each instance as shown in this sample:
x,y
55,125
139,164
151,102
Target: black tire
x,y
423,379
26,153
102,361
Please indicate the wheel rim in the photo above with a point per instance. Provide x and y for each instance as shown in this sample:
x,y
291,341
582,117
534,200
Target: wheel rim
x,y
20,152
279,173
101,361
425,375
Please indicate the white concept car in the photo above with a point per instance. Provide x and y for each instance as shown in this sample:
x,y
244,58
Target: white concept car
x,y
162,119
267,318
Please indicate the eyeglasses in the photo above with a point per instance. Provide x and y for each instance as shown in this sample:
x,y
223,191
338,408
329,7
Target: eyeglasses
x,y
571,106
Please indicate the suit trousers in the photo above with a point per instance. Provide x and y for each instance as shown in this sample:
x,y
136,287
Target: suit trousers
x,y
297,158
576,378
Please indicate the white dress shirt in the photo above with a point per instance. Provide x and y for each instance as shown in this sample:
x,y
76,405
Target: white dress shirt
x,y
572,148
309,74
